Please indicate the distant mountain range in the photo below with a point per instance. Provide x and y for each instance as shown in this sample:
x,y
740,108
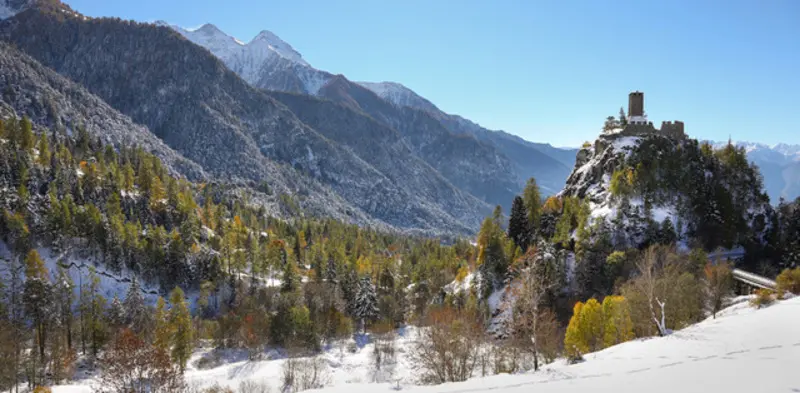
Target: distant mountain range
x,y
507,161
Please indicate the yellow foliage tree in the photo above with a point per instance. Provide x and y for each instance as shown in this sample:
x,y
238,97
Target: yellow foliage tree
x,y
591,324
574,341
163,333
618,326
34,266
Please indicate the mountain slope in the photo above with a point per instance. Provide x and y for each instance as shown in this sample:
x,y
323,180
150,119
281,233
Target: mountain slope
x,y
197,106
383,148
550,166
477,168
50,100
473,166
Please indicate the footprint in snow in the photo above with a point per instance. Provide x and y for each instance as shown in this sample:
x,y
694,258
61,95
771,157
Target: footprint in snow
x,y
738,352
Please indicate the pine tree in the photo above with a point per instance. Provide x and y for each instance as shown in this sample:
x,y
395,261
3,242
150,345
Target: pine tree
x,y
623,120
331,275
290,281
180,322
115,315
533,206
366,304
26,138
44,151
162,334
38,299
64,297
93,306
518,227
128,177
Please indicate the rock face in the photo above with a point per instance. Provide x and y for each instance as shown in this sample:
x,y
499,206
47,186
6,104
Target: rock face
x,y
198,107
650,186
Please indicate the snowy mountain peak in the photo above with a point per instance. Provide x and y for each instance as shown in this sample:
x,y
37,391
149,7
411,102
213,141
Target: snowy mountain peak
x,y
399,95
279,46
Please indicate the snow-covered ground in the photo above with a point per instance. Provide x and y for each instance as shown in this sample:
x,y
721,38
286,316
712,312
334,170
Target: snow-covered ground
x,y
742,350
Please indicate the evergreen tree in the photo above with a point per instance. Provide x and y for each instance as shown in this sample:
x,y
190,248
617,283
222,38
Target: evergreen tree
x,y
38,299
26,138
136,313
366,304
180,325
115,315
518,227
290,281
162,334
92,310
44,151
64,297
623,120
533,205
331,274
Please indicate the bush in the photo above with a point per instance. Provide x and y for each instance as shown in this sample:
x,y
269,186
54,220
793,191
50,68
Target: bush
x,y
217,389
763,298
789,281
42,389
446,350
133,366
254,387
304,374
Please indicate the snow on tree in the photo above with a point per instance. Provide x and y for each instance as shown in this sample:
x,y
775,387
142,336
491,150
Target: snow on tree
x,y
136,313
366,302
115,313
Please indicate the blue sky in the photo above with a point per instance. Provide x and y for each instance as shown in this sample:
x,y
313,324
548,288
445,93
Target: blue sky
x,y
549,71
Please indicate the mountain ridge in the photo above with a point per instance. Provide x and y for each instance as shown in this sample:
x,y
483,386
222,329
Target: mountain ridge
x,y
281,74
222,123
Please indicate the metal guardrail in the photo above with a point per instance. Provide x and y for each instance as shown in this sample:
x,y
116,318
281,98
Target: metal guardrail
x,y
754,279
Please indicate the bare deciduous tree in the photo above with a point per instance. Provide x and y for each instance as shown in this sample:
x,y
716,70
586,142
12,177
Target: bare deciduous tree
x,y
719,280
303,374
534,327
133,366
646,283
446,349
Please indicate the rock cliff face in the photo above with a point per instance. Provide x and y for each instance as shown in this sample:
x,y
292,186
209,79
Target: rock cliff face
x,y
652,185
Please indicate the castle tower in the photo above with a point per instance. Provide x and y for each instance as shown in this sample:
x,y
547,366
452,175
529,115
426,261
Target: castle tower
x,y
636,113
636,104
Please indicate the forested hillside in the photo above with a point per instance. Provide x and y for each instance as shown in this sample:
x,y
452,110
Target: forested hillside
x,y
122,209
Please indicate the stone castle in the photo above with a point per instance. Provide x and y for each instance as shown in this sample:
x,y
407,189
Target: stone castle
x,y
638,125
